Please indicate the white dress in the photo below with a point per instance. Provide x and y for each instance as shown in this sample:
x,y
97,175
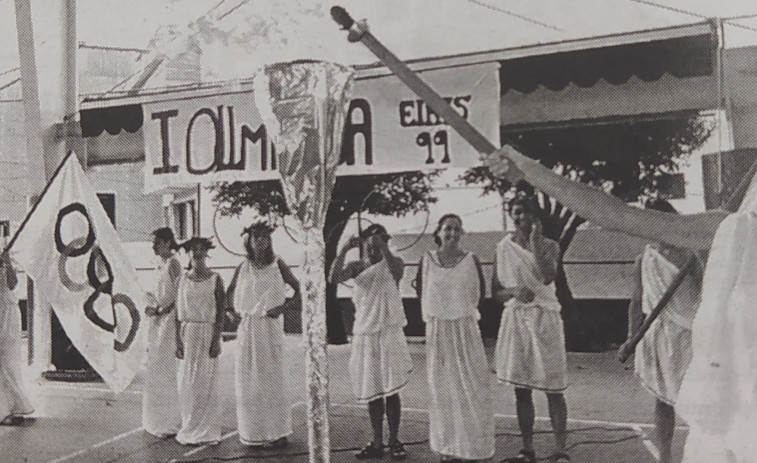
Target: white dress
x,y
380,362
263,408
718,396
13,400
530,350
461,415
664,353
198,379
160,397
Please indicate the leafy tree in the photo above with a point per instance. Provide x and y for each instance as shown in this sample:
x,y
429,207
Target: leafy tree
x,y
389,194
629,160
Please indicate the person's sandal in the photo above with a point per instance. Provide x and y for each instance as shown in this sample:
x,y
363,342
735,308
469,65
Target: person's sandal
x,y
525,456
397,451
560,457
370,451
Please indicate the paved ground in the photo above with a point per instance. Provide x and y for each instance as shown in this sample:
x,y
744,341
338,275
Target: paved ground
x,y
610,416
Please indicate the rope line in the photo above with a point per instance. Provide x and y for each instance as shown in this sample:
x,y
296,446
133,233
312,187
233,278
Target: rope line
x,y
514,15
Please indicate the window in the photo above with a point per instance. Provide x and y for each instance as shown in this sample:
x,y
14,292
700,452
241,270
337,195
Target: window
x,y
184,219
108,200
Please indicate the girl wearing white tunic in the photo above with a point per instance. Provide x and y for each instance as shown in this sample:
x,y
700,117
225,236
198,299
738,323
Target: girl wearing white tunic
x,y
160,400
380,362
450,284
664,353
258,293
13,401
198,345
530,352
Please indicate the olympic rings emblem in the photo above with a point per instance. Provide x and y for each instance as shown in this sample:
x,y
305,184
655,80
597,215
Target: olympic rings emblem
x,y
97,263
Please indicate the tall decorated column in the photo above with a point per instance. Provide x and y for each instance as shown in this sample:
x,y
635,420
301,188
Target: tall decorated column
x,y
304,105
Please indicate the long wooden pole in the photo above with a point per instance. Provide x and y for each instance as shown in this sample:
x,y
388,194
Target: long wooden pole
x,y
358,31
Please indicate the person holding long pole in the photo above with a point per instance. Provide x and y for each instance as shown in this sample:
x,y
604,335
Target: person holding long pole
x,y
664,353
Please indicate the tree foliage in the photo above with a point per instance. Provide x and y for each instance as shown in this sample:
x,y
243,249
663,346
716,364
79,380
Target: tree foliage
x,y
629,160
389,194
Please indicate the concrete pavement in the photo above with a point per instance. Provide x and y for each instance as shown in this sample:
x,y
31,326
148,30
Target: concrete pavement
x,y
609,418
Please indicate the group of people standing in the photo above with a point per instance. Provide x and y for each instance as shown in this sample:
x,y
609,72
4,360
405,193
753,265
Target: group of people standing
x,y
182,392
530,352
186,312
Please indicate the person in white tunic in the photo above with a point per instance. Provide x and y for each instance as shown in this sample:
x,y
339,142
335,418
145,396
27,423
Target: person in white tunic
x,y
450,284
718,396
258,295
13,400
200,315
380,362
664,353
530,352
160,399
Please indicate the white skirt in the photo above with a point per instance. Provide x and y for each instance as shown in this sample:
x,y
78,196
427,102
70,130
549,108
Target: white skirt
x,y
380,363
461,415
263,409
160,396
199,387
13,400
530,350
662,358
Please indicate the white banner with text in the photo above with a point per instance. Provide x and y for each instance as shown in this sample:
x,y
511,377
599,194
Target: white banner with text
x,y
211,135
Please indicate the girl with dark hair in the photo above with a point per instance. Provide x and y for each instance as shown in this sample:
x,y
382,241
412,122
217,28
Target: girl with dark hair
x,y
664,353
530,352
450,284
160,401
258,294
200,317
13,400
380,362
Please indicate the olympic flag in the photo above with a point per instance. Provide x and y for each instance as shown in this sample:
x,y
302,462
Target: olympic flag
x,y
70,249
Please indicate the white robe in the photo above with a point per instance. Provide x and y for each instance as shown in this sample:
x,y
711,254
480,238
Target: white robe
x,y
380,362
530,350
160,397
263,407
13,400
198,378
461,416
718,397
664,353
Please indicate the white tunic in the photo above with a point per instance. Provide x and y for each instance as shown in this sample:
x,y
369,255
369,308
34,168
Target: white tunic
x,y
461,416
263,408
13,400
530,350
380,362
198,379
664,353
718,396
160,399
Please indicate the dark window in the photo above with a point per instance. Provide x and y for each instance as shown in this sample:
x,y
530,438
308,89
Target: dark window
x,y
108,200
